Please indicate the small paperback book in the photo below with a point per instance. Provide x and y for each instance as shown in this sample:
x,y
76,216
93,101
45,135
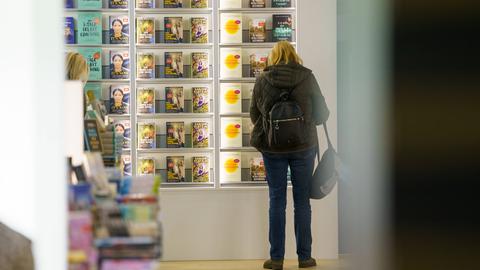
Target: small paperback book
x,y
281,3
145,65
282,27
119,64
257,3
92,137
172,3
90,4
145,3
94,61
68,3
175,169
174,99
89,28
146,135
119,30
93,91
200,100
118,3
200,134
257,170
119,99
230,167
173,29
199,3
199,31
146,100
175,134
200,169
230,3
127,165
257,30
231,28
146,166
231,63
199,65
173,65
69,30
258,62
231,135
231,98
145,31
122,127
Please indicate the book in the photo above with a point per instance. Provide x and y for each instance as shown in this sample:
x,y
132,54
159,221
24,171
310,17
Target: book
x,y
69,30
230,98
231,132
231,63
126,165
146,100
94,62
200,134
89,28
175,134
258,62
200,65
173,29
200,169
231,28
145,3
68,3
145,65
146,166
175,169
119,64
200,100
119,99
174,99
230,3
92,137
145,30
281,3
199,30
257,170
146,135
122,127
230,167
199,3
118,4
89,4
119,29
282,27
173,65
257,3
93,91
172,3
257,31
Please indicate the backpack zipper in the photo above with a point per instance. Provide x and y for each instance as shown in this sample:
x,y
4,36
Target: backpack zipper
x,y
286,120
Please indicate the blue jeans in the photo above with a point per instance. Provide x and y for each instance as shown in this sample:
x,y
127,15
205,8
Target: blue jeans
x,y
301,168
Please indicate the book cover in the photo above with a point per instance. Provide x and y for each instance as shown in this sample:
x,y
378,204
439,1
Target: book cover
x,y
146,135
231,63
146,166
92,138
119,29
122,127
199,3
200,169
230,98
175,134
230,3
89,4
89,28
281,3
145,3
119,99
175,169
172,3
257,31
174,99
173,29
231,28
119,64
200,100
258,62
200,134
282,27
118,3
257,3
69,30
126,165
145,65
173,65
68,3
93,91
146,100
231,132
230,167
200,65
94,61
145,30
257,170
199,30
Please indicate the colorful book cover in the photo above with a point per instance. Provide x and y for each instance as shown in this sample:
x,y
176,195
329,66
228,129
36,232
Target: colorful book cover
x,y
119,64
69,30
282,27
146,135
231,63
200,134
122,127
146,166
89,4
231,28
175,169
94,61
89,28
257,30
231,98
257,3
230,167
199,65
119,30
199,3
172,3
200,169
119,99
258,62
199,31
127,165
68,3
200,100
118,3
173,65
145,30
173,29
93,91
281,3
174,99
175,134
146,100
257,170
230,3
92,138
231,132
145,65
145,3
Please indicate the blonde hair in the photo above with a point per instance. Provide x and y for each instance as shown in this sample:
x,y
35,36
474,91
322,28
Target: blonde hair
x,y
76,67
283,53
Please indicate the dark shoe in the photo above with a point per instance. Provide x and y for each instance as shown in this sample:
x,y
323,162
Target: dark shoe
x,y
273,264
307,263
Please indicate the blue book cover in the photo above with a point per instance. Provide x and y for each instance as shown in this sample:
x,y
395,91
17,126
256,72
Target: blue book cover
x,y
119,65
93,91
94,60
69,30
118,4
119,29
89,4
119,99
90,28
69,4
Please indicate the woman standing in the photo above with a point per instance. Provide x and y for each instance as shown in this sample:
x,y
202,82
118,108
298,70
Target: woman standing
x,y
285,72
